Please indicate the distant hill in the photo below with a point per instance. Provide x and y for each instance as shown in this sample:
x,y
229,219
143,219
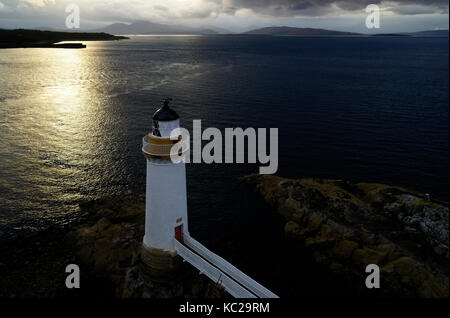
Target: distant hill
x,y
436,33
390,34
284,30
36,38
147,27
218,30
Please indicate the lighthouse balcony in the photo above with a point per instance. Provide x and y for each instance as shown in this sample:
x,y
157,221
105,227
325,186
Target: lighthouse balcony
x,y
162,148
145,141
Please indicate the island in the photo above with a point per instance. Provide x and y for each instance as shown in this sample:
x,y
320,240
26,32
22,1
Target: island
x,y
292,31
21,38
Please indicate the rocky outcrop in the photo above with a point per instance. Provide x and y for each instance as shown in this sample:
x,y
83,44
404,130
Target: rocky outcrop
x,y
347,226
106,244
108,241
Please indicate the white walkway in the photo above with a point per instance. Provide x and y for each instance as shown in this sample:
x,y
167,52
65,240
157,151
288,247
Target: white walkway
x,y
235,282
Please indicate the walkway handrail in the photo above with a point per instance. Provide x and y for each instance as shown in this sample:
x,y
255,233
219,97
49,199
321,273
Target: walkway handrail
x,y
233,288
229,269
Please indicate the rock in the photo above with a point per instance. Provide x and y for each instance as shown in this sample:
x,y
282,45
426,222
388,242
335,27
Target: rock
x,y
106,244
347,226
108,240
344,249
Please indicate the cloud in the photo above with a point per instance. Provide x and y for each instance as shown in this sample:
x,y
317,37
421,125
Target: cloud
x,y
412,10
161,8
325,7
97,12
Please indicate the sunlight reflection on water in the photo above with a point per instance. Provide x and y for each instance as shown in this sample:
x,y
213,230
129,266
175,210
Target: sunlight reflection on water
x,y
71,120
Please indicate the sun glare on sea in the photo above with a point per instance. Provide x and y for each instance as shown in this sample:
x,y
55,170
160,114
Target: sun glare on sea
x,y
64,93
59,113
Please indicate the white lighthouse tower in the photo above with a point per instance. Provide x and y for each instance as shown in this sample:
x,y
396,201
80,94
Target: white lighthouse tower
x,y
166,225
166,202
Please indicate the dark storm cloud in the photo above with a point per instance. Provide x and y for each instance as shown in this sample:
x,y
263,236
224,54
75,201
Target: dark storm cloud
x,y
321,7
36,13
415,9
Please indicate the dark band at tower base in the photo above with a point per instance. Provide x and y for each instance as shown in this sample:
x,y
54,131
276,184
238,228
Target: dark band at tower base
x,y
159,263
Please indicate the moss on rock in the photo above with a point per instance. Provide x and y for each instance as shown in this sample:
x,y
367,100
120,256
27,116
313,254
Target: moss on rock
x,y
347,226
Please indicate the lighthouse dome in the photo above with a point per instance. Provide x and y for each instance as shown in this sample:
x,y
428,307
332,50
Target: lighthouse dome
x,y
165,120
165,113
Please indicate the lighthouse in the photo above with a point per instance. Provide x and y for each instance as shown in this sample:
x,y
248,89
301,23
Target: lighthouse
x,y
166,202
167,241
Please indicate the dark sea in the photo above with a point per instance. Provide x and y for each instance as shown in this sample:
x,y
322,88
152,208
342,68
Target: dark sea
x,y
372,109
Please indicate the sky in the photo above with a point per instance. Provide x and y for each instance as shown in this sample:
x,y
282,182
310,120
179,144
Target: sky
x,y
234,15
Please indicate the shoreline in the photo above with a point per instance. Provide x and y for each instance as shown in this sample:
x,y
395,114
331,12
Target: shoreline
x,y
21,38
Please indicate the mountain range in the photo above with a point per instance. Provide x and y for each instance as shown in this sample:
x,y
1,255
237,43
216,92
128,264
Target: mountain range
x,y
284,30
438,33
147,27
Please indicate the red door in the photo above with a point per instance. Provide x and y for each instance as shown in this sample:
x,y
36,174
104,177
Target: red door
x,y
179,233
